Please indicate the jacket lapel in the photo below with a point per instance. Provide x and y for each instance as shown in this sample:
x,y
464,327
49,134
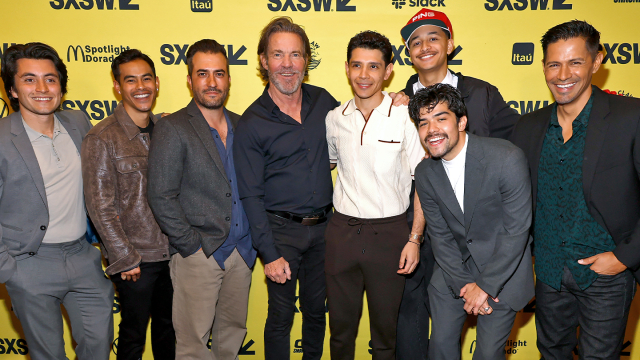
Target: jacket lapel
x,y
538,133
474,172
23,145
204,133
441,184
71,128
596,132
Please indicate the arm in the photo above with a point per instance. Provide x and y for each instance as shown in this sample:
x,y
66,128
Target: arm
x,y
410,256
7,262
515,191
502,118
163,188
99,181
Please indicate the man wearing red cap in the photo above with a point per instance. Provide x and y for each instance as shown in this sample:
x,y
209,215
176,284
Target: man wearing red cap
x,y
428,38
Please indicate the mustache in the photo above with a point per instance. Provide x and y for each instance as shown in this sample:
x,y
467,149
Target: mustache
x,y
431,136
212,89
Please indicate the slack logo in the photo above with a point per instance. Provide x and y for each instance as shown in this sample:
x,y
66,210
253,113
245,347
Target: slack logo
x,y
201,5
522,54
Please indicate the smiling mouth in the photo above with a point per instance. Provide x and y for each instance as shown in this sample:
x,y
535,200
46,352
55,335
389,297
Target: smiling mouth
x,y
565,86
436,140
426,56
141,96
42,98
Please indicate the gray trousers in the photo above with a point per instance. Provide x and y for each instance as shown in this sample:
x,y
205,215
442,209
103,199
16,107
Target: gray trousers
x,y
69,274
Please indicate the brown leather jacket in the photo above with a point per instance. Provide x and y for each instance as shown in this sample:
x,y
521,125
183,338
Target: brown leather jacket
x,y
114,171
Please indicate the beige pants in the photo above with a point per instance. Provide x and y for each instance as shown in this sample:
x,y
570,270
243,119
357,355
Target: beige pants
x,y
209,301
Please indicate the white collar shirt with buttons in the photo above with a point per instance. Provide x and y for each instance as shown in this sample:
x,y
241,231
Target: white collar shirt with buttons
x,y
376,158
449,79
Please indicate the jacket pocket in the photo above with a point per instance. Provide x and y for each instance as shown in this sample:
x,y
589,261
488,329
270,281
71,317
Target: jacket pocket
x,y
131,164
389,141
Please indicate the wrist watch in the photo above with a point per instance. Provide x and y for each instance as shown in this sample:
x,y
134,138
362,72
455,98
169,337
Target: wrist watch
x,y
416,237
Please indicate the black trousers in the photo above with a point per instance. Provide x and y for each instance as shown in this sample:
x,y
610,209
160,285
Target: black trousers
x,y
601,312
151,295
303,248
363,255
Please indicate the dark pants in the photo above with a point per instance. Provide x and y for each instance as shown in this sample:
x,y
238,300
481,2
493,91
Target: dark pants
x,y
363,254
150,295
303,248
601,312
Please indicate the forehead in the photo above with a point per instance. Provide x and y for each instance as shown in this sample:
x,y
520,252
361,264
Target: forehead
x,y
135,67
426,30
36,66
286,42
567,49
202,60
439,108
366,55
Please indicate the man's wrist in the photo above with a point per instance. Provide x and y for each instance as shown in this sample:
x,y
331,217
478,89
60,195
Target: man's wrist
x,y
416,238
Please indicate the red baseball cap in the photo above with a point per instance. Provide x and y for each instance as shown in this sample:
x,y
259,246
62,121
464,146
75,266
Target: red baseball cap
x,y
426,17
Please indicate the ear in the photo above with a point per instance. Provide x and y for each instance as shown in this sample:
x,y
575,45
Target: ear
x,y
450,46
346,68
388,71
14,94
189,81
116,85
263,62
157,83
462,124
597,62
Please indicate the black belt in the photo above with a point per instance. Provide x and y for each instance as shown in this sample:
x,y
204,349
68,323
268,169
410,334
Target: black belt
x,y
306,220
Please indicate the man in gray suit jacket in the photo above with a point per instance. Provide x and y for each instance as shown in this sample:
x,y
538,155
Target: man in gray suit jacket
x,y
476,198
193,193
45,260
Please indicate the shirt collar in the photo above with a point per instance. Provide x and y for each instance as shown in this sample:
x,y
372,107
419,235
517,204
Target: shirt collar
x,y
448,79
229,125
583,117
34,135
270,105
384,108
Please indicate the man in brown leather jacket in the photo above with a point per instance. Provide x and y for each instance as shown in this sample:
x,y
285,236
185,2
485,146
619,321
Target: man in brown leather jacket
x,y
114,169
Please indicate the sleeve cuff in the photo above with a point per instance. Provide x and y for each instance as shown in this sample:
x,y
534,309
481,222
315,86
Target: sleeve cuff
x,y
270,254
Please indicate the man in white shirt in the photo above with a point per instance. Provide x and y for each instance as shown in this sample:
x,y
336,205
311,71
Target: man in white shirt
x,y
376,148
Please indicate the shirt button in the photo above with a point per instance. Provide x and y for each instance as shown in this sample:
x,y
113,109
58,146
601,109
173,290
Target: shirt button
x,y
561,216
135,166
227,218
561,161
228,194
563,243
43,227
144,138
234,202
560,188
469,241
32,253
309,149
314,192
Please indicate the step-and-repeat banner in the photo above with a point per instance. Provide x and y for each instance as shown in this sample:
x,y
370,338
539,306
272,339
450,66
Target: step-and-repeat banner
x,y
496,40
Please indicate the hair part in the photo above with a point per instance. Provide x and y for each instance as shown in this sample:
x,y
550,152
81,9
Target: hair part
x,y
128,56
569,30
371,40
279,25
33,50
429,97
207,46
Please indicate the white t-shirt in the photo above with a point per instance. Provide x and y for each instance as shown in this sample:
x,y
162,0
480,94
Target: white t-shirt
x,y
455,172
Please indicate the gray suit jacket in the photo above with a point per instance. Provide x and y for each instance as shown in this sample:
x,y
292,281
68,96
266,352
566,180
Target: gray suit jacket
x,y
187,187
24,212
494,226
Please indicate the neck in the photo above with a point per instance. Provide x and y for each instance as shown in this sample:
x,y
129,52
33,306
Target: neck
x,y
430,77
458,148
214,117
367,105
283,100
569,112
40,123
140,118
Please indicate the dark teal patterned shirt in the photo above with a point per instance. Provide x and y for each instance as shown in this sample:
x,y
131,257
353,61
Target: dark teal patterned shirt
x,y
564,230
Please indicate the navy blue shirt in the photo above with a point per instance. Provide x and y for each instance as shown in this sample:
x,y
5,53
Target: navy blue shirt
x,y
283,165
239,235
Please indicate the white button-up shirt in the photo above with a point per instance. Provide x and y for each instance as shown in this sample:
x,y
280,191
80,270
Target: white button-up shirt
x,y
376,158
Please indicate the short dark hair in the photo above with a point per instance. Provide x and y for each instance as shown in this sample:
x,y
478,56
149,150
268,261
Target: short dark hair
x,y
569,30
373,41
277,25
33,50
128,56
207,46
433,95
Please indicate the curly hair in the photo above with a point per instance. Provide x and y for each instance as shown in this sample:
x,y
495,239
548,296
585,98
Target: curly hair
x,y
429,97
373,41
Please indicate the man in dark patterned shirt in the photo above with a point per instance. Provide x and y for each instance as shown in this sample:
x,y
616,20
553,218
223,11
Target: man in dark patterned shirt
x,y
584,158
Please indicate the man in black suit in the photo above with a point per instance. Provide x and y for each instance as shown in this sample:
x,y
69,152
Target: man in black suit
x,y
584,156
476,199
193,193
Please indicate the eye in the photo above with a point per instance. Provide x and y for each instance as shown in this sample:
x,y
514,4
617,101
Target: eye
x,y
415,43
374,66
296,55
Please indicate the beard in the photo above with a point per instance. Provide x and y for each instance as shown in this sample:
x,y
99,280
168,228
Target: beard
x,y
288,86
440,151
212,104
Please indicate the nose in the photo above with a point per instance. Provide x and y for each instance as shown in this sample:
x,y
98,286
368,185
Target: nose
x,y
564,73
41,85
286,60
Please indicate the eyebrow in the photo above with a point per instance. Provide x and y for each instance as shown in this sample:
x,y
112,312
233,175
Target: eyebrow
x,y
440,113
32,74
429,33
211,70
133,76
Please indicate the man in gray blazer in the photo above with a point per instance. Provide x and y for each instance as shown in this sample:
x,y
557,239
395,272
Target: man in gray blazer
x,y
476,198
193,193
45,260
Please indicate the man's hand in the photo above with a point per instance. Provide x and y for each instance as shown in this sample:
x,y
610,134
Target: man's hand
x,y
475,300
399,98
409,258
604,264
133,274
278,271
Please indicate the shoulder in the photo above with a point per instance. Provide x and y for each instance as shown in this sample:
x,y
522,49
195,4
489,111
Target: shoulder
x,y
500,150
103,126
472,84
175,118
75,116
622,105
338,111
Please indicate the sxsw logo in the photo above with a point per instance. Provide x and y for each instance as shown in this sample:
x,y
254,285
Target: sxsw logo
x,y
520,5
93,4
418,3
176,54
522,54
4,108
525,107
201,5
95,110
401,56
624,52
13,346
306,5
297,347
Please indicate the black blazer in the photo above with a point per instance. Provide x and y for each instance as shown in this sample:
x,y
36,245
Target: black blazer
x,y
610,168
188,189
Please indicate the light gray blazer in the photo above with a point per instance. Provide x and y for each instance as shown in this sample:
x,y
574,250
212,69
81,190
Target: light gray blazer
x,y
24,212
494,226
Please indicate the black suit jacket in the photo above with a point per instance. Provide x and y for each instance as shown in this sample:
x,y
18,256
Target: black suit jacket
x,y
610,168
188,189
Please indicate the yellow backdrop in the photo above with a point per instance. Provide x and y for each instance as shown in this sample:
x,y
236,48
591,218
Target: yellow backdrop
x,y
496,40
